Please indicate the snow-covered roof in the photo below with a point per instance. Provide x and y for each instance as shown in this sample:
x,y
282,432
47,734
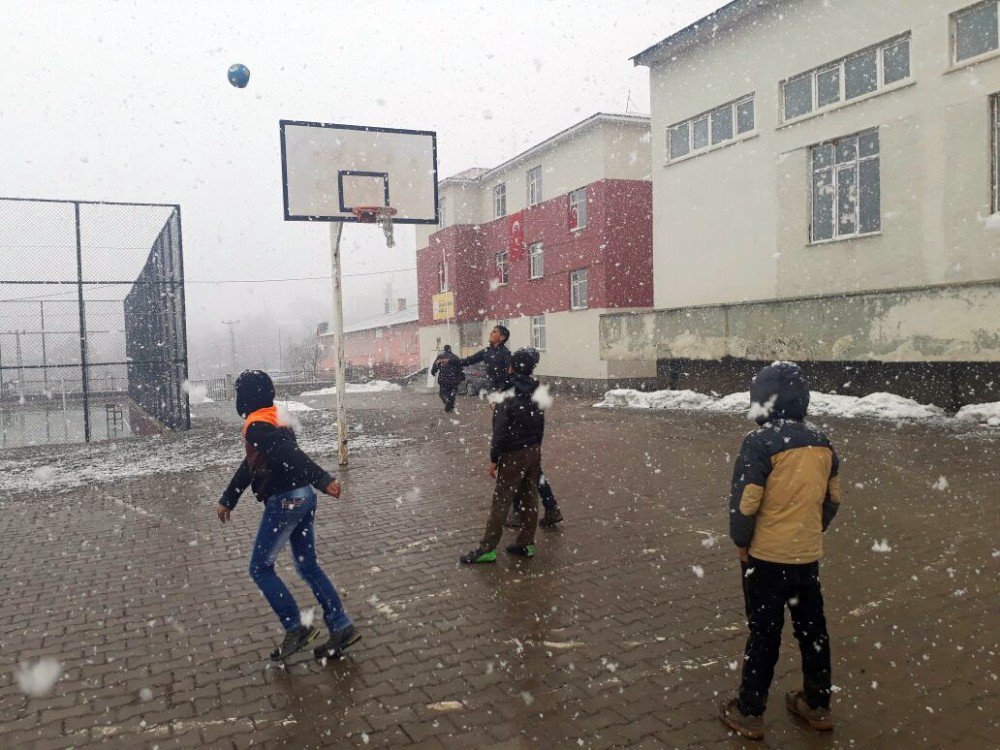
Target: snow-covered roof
x,y
724,18
477,174
409,315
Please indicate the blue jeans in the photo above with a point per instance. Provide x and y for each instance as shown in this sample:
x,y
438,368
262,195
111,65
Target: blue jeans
x,y
289,517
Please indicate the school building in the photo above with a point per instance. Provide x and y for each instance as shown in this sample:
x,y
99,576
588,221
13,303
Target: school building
x,y
544,243
383,347
825,189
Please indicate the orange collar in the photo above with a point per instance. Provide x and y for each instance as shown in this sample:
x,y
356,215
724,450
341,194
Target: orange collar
x,y
268,414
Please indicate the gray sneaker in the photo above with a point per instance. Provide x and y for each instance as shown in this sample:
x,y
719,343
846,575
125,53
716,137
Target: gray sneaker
x,y
295,640
751,727
818,718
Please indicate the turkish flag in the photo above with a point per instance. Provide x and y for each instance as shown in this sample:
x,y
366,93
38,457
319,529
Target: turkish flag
x,y
515,236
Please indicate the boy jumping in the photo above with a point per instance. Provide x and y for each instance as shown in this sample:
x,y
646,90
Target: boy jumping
x,y
785,493
282,477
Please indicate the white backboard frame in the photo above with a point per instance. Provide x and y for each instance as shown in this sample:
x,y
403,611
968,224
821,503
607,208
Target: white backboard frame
x,y
316,151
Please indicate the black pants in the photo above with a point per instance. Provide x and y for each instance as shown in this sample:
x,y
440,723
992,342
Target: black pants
x,y
447,394
767,587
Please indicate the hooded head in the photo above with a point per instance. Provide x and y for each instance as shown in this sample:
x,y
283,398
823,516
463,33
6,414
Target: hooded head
x,y
524,361
779,392
254,390
447,347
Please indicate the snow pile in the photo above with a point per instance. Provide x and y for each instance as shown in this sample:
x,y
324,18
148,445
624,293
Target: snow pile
x,y
882,546
981,413
373,386
874,406
38,679
293,406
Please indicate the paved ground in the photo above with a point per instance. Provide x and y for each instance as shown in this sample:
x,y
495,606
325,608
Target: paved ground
x,y
608,638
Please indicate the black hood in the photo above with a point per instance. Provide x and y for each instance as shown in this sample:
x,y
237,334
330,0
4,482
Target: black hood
x,y
522,384
782,382
254,390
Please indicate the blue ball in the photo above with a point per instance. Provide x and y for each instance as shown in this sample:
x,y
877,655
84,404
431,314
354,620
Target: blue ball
x,y
239,75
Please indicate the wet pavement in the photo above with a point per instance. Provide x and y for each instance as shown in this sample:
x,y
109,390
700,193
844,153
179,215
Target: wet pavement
x,y
625,630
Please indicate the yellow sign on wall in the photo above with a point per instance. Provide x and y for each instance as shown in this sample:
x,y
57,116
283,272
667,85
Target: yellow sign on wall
x,y
444,305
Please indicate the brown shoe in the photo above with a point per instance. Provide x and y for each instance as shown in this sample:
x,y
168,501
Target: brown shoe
x,y
751,727
818,718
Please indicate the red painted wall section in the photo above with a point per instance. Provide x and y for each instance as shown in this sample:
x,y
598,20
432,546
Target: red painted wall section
x,y
616,246
394,353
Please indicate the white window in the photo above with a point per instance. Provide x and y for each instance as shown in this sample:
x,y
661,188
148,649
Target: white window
x,y
975,31
996,152
441,206
578,209
443,277
848,78
846,187
538,332
379,333
722,124
578,290
500,200
505,322
503,267
536,254
534,186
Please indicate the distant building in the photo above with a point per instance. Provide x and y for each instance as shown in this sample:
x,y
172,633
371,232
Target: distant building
x,y
825,182
386,346
544,243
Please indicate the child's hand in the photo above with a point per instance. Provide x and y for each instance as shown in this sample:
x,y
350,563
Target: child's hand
x,y
744,553
493,471
333,489
222,512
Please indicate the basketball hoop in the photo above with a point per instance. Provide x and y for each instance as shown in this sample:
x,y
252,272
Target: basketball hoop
x,y
380,214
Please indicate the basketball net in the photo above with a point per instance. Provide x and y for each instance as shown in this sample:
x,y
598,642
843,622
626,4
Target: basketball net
x,y
381,214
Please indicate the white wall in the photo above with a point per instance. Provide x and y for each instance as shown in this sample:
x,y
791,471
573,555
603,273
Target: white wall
x,y
732,225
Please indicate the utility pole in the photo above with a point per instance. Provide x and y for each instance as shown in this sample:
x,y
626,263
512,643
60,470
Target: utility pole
x,y
232,342
338,332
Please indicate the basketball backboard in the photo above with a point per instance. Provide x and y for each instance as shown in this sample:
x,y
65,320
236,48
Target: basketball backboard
x,y
330,170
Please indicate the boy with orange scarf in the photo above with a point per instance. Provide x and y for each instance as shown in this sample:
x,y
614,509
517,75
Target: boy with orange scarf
x,y
282,477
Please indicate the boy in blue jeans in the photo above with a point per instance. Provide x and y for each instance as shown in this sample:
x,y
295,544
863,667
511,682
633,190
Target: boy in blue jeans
x,y
282,477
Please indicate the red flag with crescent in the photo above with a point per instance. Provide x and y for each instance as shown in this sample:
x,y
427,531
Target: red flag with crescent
x,y
515,236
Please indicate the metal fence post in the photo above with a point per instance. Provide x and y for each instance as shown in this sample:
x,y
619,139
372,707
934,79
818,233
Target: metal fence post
x,y
85,378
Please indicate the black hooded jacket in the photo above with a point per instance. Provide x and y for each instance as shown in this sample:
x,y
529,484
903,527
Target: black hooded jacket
x,y
518,421
786,485
449,374
497,361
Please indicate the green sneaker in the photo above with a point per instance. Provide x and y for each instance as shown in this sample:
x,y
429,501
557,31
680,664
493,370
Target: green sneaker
x,y
479,555
515,549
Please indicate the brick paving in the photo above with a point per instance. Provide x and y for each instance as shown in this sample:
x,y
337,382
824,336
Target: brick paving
x,y
608,638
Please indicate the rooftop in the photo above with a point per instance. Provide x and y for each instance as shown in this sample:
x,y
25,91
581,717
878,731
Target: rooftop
x,y
409,315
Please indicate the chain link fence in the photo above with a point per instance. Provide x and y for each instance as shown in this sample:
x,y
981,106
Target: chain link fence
x,y
93,343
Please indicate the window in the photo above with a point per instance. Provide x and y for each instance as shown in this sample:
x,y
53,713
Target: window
x,y
538,332
441,221
534,186
505,322
537,259
503,267
975,31
578,209
996,153
842,80
379,333
846,189
578,290
443,285
499,200
720,125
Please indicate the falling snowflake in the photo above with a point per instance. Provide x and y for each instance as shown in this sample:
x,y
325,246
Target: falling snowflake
x,y
882,546
698,571
38,678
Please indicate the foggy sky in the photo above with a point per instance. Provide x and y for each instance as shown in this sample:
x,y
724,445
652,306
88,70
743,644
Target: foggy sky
x,y
129,101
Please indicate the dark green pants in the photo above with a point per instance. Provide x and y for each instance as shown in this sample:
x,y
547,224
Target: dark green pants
x,y
517,479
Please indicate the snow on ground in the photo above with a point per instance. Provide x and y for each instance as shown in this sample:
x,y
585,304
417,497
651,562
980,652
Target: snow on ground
x,y
872,406
293,406
54,468
36,679
373,386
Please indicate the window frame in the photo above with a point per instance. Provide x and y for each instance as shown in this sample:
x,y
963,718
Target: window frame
x,y
574,287
441,206
995,151
500,200
574,208
533,256
835,168
707,117
841,65
539,325
503,268
444,283
533,186
953,34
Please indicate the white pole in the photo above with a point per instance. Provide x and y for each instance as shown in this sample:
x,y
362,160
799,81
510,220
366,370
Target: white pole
x,y
336,228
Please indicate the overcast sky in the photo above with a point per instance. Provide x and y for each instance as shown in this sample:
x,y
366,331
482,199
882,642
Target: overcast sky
x,y
129,101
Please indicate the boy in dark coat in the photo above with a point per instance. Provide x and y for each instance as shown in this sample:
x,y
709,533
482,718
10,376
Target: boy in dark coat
x,y
785,493
515,462
448,369
282,477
